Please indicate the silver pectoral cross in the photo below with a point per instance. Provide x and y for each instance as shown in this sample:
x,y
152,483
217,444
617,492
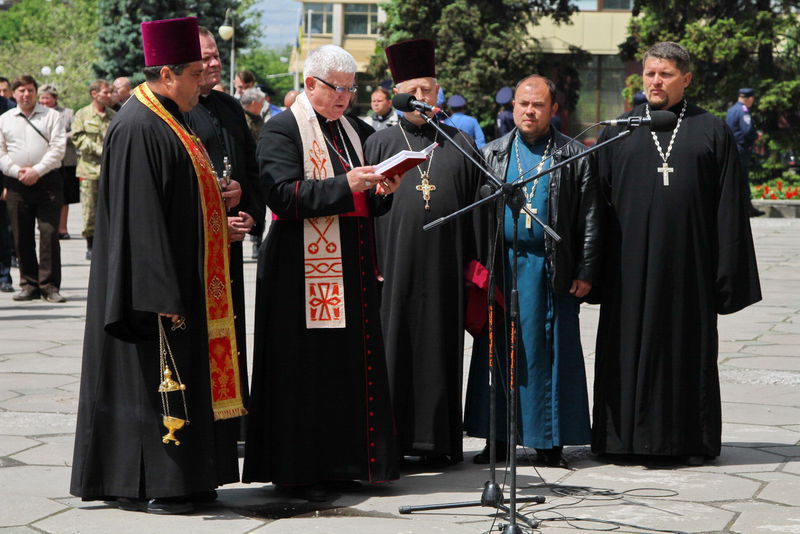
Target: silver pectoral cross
x,y
665,170
528,218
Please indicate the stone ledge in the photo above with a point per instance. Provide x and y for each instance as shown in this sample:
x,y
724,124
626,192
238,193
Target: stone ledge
x,y
779,209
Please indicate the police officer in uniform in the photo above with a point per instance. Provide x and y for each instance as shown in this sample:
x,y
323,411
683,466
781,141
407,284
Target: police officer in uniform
x,y
744,132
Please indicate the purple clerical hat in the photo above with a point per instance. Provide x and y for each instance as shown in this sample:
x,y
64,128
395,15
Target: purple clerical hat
x,y
412,59
170,41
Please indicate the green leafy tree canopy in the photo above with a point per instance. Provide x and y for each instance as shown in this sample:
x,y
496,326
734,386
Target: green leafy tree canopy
x,y
734,43
119,39
51,33
481,45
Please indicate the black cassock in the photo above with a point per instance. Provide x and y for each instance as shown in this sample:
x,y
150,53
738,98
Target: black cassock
x,y
219,121
423,296
677,255
319,405
148,250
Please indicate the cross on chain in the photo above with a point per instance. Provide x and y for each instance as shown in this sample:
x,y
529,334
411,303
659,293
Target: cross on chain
x,y
665,170
426,187
528,218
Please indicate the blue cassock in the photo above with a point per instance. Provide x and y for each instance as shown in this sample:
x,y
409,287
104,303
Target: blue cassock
x,y
553,403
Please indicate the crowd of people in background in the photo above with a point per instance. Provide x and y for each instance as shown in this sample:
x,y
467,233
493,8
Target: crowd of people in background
x,y
360,313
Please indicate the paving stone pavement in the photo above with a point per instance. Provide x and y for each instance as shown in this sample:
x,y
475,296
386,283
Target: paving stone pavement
x,y
753,487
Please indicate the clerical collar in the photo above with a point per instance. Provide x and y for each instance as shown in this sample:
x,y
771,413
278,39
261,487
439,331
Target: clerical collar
x,y
171,106
422,129
675,108
542,141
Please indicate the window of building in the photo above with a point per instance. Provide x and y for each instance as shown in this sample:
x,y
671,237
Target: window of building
x,y
360,19
321,18
602,82
604,5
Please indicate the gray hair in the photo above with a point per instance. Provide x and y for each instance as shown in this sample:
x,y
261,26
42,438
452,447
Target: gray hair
x,y
253,94
326,59
670,51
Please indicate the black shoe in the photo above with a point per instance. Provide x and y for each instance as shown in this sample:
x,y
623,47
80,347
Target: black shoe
x,y
309,492
695,461
6,287
501,450
168,506
53,296
64,235
28,293
552,457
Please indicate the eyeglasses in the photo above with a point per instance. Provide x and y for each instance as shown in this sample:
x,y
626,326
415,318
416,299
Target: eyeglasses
x,y
338,88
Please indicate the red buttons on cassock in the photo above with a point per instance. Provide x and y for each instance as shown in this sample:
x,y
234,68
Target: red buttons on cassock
x,y
371,414
369,368
372,460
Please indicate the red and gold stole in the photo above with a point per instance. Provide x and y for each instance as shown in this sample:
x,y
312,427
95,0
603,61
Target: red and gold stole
x,y
223,355
322,247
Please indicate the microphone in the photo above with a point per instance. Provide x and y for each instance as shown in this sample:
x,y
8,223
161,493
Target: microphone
x,y
659,121
407,102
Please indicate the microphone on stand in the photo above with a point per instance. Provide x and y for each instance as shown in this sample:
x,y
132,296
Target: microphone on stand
x,y
659,121
407,102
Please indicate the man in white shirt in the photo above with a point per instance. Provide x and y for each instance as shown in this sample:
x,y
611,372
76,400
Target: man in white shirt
x,y
32,145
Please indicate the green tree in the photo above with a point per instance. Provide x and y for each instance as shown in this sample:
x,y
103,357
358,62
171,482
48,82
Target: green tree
x,y
51,33
734,43
268,67
481,45
119,39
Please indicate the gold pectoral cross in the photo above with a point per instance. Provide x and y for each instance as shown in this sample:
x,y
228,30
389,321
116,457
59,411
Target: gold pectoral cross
x,y
528,218
426,187
665,170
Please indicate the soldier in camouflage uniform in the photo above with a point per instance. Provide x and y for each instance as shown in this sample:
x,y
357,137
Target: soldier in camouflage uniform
x,y
88,131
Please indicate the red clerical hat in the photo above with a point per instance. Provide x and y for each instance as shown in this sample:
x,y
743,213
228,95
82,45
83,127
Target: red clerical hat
x,y
412,59
171,41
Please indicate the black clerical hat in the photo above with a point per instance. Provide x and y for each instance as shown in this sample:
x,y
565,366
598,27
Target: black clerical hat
x,y
412,59
747,91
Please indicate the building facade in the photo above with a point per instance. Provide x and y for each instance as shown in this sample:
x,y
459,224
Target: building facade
x,y
598,28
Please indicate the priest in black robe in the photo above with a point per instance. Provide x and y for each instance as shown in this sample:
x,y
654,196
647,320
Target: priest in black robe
x,y
423,295
679,252
320,412
219,122
148,266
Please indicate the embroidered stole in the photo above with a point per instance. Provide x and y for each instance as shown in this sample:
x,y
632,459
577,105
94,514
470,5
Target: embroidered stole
x,y
226,390
322,247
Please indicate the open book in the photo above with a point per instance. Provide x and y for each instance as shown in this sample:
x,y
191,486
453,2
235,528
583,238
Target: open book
x,y
403,160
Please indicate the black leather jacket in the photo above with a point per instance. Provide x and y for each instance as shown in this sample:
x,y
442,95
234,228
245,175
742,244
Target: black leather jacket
x,y
573,210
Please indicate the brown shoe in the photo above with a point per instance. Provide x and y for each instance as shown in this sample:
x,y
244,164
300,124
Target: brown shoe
x,y
27,293
53,296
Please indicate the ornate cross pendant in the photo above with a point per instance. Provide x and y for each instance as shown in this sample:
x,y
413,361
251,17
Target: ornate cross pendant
x,y
426,187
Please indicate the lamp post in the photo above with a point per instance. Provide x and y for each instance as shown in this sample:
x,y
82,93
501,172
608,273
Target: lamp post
x,y
227,33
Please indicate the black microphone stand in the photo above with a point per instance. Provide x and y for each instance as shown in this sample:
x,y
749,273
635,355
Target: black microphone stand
x,y
492,495
510,195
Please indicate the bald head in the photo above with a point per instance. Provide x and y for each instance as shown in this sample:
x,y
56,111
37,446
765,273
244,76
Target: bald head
x,y
122,89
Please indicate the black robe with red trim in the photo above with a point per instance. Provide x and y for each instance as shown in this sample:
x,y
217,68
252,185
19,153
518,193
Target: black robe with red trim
x,y
319,405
